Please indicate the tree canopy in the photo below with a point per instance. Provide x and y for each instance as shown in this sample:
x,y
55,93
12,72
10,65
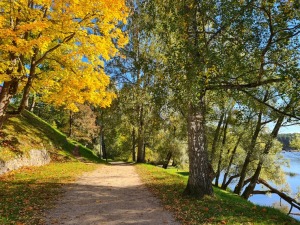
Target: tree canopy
x,y
59,47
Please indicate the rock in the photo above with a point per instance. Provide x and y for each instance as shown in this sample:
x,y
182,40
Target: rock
x,y
35,158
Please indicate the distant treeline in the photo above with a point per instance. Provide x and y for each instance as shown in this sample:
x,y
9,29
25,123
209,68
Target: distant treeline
x,y
286,139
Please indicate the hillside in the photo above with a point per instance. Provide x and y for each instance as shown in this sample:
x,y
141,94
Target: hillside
x,y
25,132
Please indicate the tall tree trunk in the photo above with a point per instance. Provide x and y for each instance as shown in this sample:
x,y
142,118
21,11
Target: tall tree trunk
x,y
133,145
9,89
100,152
219,167
224,186
70,124
30,79
140,153
250,188
28,85
144,152
201,172
25,96
222,150
32,105
216,138
167,161
247,161
174,163
103,147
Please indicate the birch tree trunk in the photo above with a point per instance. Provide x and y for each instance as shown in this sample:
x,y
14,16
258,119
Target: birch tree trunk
x,y
201,172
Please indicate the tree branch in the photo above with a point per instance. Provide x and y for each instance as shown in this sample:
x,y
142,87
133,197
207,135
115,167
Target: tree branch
x,y
256,192
287,198
243,86
231,178
270,106
224,26
66,39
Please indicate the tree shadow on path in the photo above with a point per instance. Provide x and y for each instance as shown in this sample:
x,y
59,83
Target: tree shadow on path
x,y
109,198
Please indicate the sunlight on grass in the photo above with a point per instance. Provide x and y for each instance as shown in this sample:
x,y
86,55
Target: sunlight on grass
x,y
223,208
24,132
26,193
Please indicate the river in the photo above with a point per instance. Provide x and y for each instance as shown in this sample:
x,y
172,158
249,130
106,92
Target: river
x,y
293,181
292,178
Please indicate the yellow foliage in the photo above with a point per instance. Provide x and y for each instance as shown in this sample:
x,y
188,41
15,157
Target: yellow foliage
x,y
62,45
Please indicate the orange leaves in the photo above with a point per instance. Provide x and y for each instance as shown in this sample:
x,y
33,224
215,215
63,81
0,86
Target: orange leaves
x,y
82,86
59,39
35,27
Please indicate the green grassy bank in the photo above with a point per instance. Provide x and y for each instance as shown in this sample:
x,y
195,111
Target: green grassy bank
x,y
24,132
223,208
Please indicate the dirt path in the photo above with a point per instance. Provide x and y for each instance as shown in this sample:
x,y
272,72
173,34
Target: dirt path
x,y
109,195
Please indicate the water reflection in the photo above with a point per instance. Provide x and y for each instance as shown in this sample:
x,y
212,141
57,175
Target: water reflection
x,y
292,179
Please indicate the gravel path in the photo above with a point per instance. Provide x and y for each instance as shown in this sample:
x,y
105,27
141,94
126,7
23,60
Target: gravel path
x,y
112,194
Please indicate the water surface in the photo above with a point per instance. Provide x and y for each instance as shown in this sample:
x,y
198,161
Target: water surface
x,y
293,179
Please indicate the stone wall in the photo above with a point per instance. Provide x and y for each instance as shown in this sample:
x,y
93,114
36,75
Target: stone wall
x,y
35,158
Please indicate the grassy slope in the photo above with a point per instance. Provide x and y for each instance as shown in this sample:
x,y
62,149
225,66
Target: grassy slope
x,y
26,193
27,131
224,208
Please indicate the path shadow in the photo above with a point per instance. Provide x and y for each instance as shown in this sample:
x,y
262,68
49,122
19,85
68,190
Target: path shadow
x,y
79,204
104,204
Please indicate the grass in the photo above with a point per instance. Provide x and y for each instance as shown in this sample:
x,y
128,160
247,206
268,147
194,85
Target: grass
x,y
223,208
24,132
26,193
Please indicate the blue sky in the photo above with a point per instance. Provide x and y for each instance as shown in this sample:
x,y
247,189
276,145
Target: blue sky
x,y
286,129
290,129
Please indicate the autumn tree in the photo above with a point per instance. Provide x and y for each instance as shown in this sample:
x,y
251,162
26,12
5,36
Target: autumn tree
x,y
59,48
